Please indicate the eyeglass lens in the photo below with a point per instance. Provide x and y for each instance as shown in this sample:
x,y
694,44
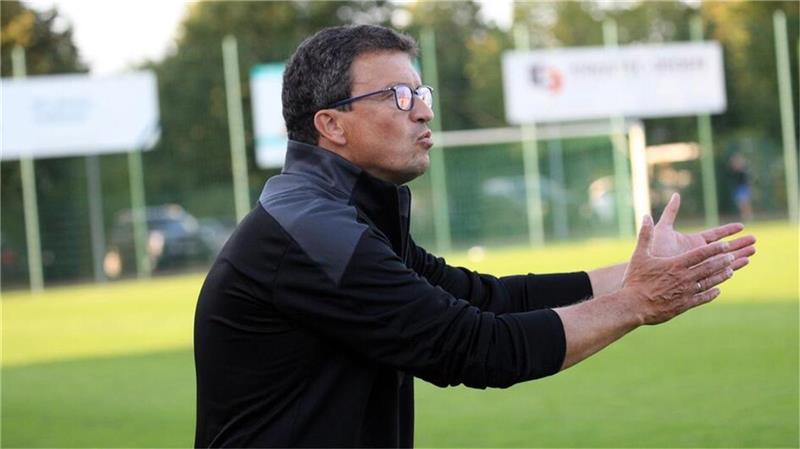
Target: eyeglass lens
x,y
405,97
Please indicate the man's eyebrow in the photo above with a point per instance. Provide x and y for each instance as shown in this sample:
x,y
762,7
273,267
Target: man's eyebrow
x,y
386,86
396,83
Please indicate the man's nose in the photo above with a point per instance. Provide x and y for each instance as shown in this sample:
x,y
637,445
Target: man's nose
x,y
421,112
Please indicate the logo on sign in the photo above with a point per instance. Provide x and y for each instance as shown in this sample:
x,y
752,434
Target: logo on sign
x,y
549,78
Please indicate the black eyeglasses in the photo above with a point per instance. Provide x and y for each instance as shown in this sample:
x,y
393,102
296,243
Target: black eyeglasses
x,y
403,96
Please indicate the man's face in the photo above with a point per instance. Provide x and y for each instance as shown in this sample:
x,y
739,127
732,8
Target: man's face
x,y
388,143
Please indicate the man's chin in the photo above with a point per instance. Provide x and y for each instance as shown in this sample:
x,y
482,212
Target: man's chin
x,y
411,175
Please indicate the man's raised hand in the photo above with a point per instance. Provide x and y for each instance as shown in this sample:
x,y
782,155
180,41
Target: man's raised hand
x,y
660,288
669,242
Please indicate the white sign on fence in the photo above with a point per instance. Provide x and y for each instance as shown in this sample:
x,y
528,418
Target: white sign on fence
x,y
638,81
65,115
266,81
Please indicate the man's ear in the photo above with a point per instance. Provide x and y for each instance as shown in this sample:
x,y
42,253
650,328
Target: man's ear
x,y
327,123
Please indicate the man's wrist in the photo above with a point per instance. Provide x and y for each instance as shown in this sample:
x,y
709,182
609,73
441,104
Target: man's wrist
x,y
607,279
621,305
592,325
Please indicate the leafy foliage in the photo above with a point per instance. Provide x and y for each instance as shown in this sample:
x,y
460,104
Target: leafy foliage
x,y
45,36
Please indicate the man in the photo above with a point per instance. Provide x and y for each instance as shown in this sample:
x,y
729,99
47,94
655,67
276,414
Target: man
x,y
321,309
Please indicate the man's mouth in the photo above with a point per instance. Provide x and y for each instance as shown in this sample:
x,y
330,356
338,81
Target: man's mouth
x,y
426,139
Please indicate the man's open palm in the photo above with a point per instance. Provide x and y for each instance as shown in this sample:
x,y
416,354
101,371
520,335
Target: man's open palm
x,y
668,242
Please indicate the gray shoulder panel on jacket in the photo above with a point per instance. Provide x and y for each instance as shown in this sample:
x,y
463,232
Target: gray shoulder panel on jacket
x,y
320,221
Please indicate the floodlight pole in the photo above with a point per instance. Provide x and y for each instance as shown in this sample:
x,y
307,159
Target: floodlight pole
x,y
530,162
787,115
29,200
622,185
706,147
233,93
441,206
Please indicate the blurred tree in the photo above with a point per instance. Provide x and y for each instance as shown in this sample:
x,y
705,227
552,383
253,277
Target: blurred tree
x,y
468,54
745,30
483,68
45,36
559,24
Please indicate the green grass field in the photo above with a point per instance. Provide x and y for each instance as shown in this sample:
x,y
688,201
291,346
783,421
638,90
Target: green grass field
x,y
111,366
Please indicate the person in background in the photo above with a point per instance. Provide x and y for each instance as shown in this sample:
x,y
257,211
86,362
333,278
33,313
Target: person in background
x,y
742,194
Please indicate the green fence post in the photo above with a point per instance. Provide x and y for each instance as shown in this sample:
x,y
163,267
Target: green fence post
x,y
94,191
29,201
706,147
441,206
138,213
787,115
622,174
233,95
530,162
556,163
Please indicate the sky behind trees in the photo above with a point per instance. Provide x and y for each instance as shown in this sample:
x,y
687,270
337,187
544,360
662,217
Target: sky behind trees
x,y
110,46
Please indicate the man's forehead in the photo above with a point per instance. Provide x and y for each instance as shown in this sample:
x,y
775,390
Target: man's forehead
x,y
384,68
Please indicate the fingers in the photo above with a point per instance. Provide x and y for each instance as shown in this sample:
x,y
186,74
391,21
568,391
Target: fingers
x,y
645,236
740,263
697,255
741,242
744,253
709,267
741,249
703,298
714,280
671,211
714,234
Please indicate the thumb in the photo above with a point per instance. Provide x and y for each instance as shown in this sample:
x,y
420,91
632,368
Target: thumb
x,y
645,236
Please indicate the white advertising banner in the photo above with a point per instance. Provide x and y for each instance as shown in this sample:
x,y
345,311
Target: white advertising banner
x,y
638,81
67,115
266,82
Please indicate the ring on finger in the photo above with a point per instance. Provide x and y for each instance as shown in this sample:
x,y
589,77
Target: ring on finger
x,y
699,287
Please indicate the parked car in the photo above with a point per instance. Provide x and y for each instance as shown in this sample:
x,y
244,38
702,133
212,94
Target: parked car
x,y
215,232
174,240
513,189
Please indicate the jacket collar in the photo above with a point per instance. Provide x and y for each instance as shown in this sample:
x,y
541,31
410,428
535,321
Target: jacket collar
x,y
385,204
324,167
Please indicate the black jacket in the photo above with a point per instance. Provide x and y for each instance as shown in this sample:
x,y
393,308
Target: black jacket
x,y
320,309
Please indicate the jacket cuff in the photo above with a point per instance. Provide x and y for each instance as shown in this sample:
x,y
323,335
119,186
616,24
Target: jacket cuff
x,y
561,289
545,342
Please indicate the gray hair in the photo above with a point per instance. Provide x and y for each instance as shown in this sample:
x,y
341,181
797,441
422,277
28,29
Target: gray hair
x,y
318,73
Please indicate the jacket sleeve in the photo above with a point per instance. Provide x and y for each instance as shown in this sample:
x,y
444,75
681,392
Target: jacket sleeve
x,y
383,311
506,294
